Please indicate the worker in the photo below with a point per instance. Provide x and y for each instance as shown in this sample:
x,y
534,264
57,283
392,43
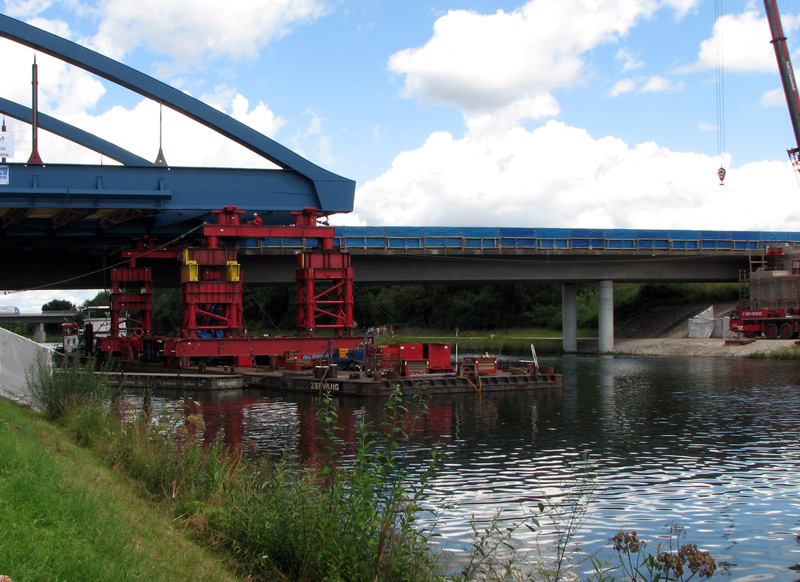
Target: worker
x,y
256,219
135,344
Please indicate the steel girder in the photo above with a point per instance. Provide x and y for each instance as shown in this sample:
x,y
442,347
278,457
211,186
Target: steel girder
x,y
140,198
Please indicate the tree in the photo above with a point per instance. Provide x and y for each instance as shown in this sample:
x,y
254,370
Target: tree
x,y
102,298
57,305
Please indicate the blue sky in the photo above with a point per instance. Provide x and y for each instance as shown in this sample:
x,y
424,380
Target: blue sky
x,y
568,113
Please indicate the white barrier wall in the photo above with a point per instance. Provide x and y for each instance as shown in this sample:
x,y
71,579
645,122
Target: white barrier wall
x,y
19,358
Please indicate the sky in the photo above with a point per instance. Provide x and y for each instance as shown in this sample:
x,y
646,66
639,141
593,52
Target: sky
x,y
547,113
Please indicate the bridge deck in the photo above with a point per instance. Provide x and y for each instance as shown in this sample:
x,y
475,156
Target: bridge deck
x,y
489,240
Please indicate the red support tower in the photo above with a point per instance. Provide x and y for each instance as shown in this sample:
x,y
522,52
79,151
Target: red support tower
x,y
131,295
324,293
211,288
211,294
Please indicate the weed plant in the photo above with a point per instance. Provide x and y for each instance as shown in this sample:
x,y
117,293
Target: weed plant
x,y
55,390
791,353
671,563
167,456
343,518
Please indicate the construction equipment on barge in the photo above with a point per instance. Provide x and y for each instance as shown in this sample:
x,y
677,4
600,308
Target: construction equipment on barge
x,y
212,331
211,297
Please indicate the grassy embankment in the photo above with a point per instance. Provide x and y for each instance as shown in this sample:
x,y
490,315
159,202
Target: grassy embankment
x,y
334,519
66,516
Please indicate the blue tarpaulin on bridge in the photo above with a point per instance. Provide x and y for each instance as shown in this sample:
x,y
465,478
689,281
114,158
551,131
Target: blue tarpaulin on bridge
x,y
415,237
517,237
552,238
586,238
769,237
715,239
653,239
743,240
687,240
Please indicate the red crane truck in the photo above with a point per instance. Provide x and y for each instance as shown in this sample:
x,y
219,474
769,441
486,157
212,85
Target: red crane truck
x,y
773,307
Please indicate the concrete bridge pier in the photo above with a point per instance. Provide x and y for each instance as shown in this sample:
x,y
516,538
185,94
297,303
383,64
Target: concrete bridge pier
x,y
39,336
569,317
605,317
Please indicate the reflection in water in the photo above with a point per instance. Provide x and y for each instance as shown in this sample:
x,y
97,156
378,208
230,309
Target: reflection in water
x,y
709,444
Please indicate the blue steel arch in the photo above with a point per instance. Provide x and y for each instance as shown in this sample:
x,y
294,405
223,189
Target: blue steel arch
x,y
331,193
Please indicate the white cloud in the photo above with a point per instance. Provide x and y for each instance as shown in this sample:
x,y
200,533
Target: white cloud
x,y
745,44
481,62
537,178
185,142
63,89
774,98
312,142
682,7
191,33
539,107
25,8
659,84
32,301
629,61
654,84
623,86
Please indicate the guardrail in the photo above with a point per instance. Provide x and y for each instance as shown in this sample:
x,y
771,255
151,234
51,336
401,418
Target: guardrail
x,y
477,239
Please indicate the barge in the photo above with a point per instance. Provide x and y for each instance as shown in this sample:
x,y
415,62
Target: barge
x,y
360,384
213,335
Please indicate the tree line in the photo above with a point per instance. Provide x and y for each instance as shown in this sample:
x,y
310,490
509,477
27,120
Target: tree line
x,y
271,310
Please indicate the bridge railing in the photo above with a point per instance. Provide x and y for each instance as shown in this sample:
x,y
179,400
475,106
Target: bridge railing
x,y
492,239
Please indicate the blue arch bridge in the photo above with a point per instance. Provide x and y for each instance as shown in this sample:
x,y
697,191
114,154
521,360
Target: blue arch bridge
x,y
62,225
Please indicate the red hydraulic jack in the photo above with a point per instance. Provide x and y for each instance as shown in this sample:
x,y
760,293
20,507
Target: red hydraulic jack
x,y
211,291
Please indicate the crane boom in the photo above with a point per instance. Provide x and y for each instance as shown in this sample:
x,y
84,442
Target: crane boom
x,y
787,75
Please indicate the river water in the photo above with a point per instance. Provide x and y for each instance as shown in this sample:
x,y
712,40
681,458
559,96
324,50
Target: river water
x,y
712,445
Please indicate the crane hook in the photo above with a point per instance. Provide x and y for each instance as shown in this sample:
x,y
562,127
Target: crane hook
x,y
721,174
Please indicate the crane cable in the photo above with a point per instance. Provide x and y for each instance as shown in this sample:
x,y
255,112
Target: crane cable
x,y
720,83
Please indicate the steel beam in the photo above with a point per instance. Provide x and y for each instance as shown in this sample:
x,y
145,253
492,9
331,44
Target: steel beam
x,y
331,190
274,194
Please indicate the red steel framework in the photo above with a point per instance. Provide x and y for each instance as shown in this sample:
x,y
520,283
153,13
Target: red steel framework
x,y
211,296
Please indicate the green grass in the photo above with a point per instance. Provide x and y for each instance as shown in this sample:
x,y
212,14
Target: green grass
x,y
791,353
65,517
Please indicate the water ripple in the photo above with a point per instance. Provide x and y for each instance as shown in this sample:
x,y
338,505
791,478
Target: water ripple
x,y
708,444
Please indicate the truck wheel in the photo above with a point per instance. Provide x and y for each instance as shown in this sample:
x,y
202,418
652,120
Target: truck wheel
x,y
771,330
786,331
749,334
